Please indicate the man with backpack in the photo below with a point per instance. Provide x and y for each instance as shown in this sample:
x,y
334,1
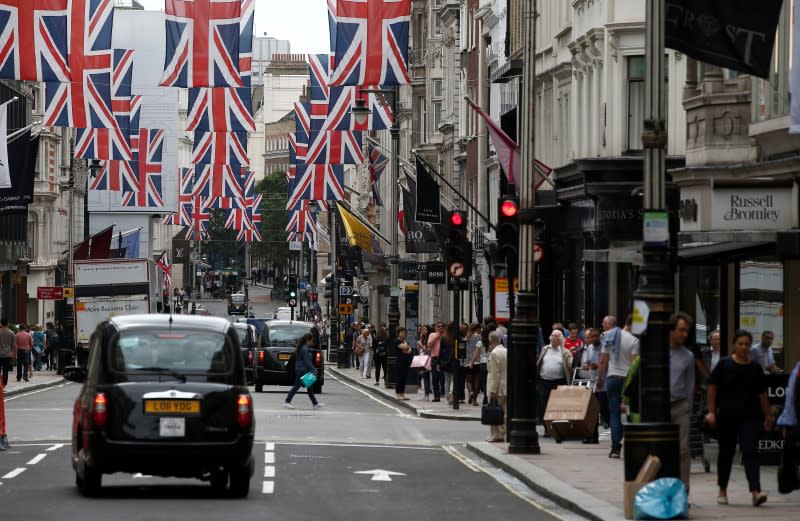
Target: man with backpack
x,y
53,342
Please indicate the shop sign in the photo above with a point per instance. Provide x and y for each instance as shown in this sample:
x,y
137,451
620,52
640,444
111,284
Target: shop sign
x,y
770,444
751,208
620,218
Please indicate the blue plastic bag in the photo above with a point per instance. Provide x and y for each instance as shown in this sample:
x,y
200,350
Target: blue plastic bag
x,y
664,498
308,379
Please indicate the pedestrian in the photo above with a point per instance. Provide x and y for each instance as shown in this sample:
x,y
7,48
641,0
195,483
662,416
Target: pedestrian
x,y
302,365
554,367
363,348
681,386
422,349
737,409
6,350
620,348
23,344
449,338
589,368
572,342
348,343
381,353
403,352
39,346
473,372
497,385
714,349
762,353
437,373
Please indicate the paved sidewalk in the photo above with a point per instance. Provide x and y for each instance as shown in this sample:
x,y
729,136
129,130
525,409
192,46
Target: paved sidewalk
x,y
583,479
40,380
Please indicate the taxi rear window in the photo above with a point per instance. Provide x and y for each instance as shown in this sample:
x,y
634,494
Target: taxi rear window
x,y
185,352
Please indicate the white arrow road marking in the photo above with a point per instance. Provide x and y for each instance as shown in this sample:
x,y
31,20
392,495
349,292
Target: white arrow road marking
x,y
14,473
37,459
56,447
380,475
139,475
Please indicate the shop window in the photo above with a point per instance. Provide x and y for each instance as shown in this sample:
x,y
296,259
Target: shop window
x,y
700,297
761,302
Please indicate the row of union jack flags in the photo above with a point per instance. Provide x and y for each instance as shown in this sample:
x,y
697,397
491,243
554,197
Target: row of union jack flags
x,y
195,204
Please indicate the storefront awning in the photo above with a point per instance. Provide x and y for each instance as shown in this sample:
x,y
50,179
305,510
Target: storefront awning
x,y
697,250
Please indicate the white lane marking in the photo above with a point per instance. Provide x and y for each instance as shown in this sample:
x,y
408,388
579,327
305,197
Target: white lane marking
x,y
269,471
344,443
268,487
49,444
139,475
399,411
269,446
37,459
15,397
14,473
269,457
56,447
463,459
380,475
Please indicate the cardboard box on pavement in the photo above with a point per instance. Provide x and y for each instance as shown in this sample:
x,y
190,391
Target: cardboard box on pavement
x,y
572,412
647,473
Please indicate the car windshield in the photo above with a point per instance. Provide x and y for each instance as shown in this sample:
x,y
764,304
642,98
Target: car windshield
x,y
242,335
237,299
286,335
176,352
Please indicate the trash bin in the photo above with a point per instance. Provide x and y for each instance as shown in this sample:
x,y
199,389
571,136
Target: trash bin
x,y
64,359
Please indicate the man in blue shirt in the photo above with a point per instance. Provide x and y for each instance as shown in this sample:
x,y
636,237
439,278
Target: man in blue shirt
x,y
762,353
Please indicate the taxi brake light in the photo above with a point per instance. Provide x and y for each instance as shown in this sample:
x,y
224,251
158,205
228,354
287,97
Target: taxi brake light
x,y
243,412
99,410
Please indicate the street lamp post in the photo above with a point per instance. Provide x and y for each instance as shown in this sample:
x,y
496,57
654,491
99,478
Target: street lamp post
x,y
655,434
360,112
523,333
69,310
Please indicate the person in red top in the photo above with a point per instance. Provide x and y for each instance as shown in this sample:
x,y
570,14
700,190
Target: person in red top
x,y
437,372
572,342
23,344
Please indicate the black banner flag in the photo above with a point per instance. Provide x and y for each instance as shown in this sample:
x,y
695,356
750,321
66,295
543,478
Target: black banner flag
x,y
735,34
22,154
428,200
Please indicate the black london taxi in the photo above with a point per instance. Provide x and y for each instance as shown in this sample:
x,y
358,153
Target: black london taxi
x,y
275,354
163,395
237,304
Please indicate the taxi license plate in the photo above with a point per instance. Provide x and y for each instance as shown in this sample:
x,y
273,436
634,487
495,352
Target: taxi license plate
x,y
172,406
284,356
172,427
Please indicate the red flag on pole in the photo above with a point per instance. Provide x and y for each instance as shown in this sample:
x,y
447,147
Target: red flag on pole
x,y
508,153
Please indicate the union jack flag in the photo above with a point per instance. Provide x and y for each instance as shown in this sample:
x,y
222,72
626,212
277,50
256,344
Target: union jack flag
x,y
33,40
371,42
332,23
306,121
185,186
376,165
302,221
220,110
331,107
166,268
85,101
102,143
115,176
148,147
220,148
217,181
317,183
335,147
202,43
198,218
246,41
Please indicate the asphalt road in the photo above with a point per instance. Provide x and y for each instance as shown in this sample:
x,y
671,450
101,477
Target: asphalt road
x,y
357,458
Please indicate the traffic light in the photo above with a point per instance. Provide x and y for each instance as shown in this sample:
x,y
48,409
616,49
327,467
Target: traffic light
x,y
292,289
508,232
458,250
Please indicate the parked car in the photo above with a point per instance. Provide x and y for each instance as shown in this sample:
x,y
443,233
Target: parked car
x,y
202,310
282,313
275,356
163,395
237,304
248,338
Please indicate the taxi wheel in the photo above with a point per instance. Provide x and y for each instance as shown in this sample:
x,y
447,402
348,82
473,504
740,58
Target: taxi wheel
x,y
91,483
240,482
219,480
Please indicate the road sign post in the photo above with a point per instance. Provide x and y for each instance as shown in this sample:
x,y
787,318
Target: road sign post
x,y
50,292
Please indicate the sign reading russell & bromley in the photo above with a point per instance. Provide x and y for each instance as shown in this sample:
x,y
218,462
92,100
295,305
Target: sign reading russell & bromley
x,y
751,208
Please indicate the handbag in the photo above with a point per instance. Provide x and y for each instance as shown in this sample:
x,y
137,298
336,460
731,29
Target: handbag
x,y
492,413
359,350
308,379
422,362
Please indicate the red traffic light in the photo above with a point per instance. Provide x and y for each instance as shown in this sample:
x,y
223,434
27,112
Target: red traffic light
x,y
509,208
456,219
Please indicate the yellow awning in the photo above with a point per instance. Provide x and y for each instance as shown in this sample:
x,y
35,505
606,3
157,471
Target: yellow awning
x,y
357,232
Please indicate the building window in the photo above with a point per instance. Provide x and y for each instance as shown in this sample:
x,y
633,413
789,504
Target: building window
x,y
33,227
761,302
635,101
436,105
437,23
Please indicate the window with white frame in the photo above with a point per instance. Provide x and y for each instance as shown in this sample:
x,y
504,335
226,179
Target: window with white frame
x,y
436,21
437,101
636,69
33,234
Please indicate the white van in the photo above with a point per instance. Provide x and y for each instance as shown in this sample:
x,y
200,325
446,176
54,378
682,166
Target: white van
x,y
283,313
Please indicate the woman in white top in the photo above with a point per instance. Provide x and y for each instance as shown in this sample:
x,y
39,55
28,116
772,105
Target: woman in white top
x,y
554,367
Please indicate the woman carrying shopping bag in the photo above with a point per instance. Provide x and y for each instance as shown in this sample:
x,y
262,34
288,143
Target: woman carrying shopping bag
x,y
302,366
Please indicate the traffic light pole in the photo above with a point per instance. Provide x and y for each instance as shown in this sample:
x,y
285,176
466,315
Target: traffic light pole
x,y
523,332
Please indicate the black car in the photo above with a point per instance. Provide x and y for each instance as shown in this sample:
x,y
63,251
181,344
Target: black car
x,y
163,395
237,304
248,339
274,363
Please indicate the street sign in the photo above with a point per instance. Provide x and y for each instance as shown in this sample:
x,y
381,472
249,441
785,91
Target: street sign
x,y
69,292
345,291
292,303
436,273
345,309
50,293
295,246
457,283
456,269
538,253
